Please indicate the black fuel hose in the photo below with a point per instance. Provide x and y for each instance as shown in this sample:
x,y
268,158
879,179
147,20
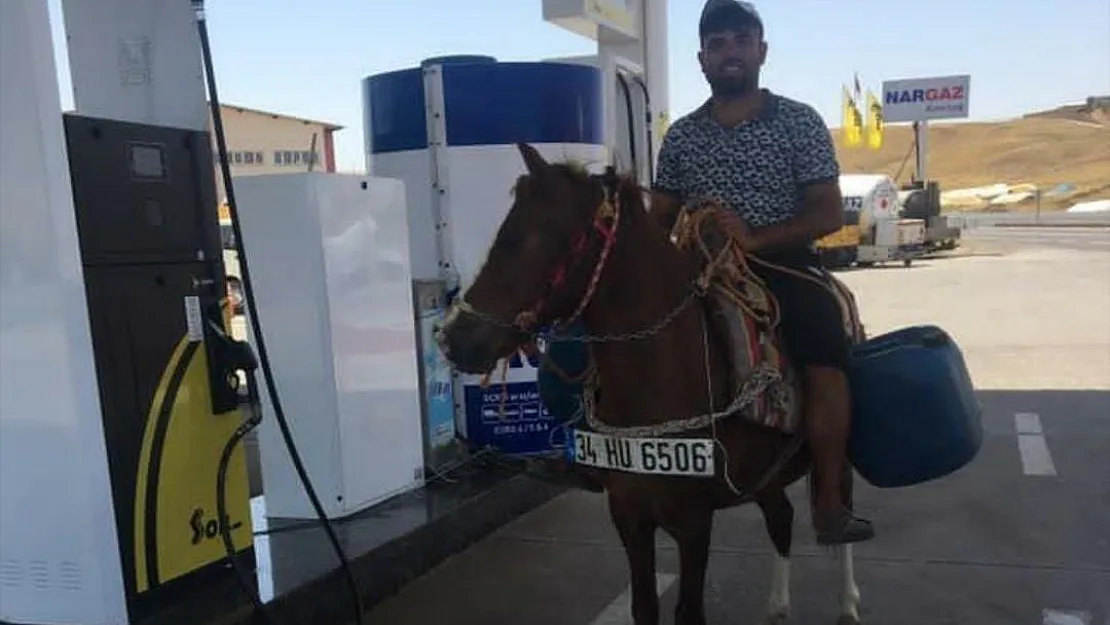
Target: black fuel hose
x,y
252,308
251,422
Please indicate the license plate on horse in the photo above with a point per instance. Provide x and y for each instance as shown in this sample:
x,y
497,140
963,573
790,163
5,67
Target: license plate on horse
x,y
687,457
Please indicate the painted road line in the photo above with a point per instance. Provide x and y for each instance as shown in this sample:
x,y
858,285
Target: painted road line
x,y
1065,617
1028,423
619,612
1035,457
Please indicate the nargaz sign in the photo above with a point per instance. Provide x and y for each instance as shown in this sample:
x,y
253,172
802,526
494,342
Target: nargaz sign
x,y
920,99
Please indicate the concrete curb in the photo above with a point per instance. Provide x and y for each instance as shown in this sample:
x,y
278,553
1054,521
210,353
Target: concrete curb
x,y
387,569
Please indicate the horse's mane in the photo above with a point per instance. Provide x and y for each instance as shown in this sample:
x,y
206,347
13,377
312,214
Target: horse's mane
x,y
579,171
694,230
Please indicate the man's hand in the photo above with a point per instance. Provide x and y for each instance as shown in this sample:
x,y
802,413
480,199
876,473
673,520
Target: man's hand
x,y
734,226
665,209
822,214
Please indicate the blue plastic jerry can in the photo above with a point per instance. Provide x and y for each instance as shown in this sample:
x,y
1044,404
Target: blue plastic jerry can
x,y
915,414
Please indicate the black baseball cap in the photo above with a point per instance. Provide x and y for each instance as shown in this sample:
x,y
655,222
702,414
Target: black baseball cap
x,y
720,14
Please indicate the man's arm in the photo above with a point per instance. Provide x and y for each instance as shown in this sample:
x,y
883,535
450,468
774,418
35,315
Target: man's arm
x,y
665,208
667,191
818,173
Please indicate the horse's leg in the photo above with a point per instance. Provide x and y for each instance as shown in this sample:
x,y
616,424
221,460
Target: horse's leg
x,y
636,527
778,515
849,591
692,530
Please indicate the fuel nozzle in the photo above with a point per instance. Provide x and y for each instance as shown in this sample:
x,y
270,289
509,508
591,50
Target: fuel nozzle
x,y
227,357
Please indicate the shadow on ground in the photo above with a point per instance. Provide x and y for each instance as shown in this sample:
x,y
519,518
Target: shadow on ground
x,y
988,545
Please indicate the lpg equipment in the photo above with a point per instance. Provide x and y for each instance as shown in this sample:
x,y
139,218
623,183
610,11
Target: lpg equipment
x,y
119,388
874,230
332,286
631,38
884,234
922,201
448,129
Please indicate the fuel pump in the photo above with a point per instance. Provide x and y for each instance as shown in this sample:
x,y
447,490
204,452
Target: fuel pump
x,y
121,404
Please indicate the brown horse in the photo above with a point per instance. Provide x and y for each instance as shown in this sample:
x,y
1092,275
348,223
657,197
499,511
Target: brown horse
x,y
576,245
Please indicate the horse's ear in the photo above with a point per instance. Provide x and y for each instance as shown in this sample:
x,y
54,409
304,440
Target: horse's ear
x,y
532,159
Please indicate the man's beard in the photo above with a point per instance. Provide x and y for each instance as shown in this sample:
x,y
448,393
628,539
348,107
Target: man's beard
x,y
733,86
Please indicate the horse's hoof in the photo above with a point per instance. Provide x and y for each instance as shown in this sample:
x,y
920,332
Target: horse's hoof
x,y
848,619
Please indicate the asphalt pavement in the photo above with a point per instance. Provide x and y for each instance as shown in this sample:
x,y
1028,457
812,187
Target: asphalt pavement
x,y
1088,238
1031,218
1021,536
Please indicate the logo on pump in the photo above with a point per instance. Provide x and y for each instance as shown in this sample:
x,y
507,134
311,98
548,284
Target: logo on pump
x,y
206,528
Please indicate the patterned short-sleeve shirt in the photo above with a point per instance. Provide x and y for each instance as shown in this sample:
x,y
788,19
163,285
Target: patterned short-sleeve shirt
x,y
758,168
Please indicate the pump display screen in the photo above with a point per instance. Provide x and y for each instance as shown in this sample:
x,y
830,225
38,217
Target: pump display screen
x,y
139,191
147,161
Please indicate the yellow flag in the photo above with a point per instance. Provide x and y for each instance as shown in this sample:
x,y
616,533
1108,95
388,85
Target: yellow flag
x,y
874,122
851,121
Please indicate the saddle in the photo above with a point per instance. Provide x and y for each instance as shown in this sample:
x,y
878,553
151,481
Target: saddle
x,y
743,316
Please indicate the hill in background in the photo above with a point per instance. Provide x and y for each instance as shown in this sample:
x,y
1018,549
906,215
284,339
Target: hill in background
x,y
1069,145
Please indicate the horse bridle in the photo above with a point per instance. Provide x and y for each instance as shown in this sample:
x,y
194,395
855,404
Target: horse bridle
x,y
605,222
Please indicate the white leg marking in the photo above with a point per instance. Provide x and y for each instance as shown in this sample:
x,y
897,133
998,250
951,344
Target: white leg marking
x,y
1065,617
778,601
849,591
1035,457
619,612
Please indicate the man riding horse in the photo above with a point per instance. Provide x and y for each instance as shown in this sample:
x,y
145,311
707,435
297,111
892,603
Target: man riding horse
x,y
771,160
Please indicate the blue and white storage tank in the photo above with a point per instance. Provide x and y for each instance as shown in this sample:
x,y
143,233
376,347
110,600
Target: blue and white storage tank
x,y
449,129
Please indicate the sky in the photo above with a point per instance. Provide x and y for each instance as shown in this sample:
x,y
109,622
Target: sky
x,y
308,57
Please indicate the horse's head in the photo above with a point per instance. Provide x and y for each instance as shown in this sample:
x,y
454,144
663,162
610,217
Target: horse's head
x,y
542,266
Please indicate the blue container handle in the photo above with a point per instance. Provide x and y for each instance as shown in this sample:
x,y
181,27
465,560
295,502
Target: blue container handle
x,y
928,336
